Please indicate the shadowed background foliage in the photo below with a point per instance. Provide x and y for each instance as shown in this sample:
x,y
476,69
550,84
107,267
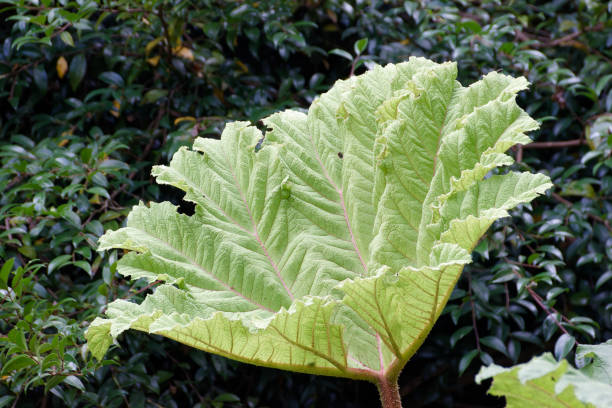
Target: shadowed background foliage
x,y
92,94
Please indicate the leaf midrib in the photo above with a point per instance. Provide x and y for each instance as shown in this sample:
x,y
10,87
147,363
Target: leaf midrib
x,y
255,233
342,204
201,268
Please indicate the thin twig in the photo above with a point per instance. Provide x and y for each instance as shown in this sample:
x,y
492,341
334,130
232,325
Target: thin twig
x,y
61,30
592,216
125,400
525,265
539,300
354,63
554,145
540,303
149,286
519,153
16,399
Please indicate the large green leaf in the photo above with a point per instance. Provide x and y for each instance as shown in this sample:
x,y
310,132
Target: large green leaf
x,y
331,244
545,382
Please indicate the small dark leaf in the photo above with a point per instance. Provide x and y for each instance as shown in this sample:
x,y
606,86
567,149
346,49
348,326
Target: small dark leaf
x,y
564,345
78,67
40,78
459,334
466,360
495,343
112,78
341,53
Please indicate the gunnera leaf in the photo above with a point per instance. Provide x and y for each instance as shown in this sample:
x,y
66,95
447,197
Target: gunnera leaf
x,y
545,382
332,246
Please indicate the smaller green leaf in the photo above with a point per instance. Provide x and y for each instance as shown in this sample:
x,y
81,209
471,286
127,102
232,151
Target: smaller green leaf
x,y
75,382
526,337
78,67
50,360
83,265
459,334
54,381
564,345
554,292
465,361
589,258
58,262
112,164
67,38
17,363
341,53
278,38
28,251
603,279
112,78
472,26
602,83
495,343
154,95
6,269
40,77
486,358
551,249
586,329
99,191
550,225
549,326
227,397
71,217
360,45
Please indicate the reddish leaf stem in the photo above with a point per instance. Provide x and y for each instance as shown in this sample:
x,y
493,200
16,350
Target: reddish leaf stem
x,y
540,303
389,393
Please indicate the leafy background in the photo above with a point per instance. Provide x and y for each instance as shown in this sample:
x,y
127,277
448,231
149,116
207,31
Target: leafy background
x,y
92,94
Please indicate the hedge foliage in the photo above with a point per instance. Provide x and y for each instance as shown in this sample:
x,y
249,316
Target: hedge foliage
x,y
94,93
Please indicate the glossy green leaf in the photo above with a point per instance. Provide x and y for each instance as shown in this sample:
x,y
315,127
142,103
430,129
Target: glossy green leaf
x,y
6,269
466,360
565,343
360,45
78,67
341,53
18,363
459,334
75,382
67,38
495,343
58,262
112,78
40,77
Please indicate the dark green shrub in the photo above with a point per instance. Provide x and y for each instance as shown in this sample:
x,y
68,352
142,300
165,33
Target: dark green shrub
x,y
76,152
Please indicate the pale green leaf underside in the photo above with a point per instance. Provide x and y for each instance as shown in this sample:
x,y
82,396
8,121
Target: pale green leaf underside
x,y
544,382
333,248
